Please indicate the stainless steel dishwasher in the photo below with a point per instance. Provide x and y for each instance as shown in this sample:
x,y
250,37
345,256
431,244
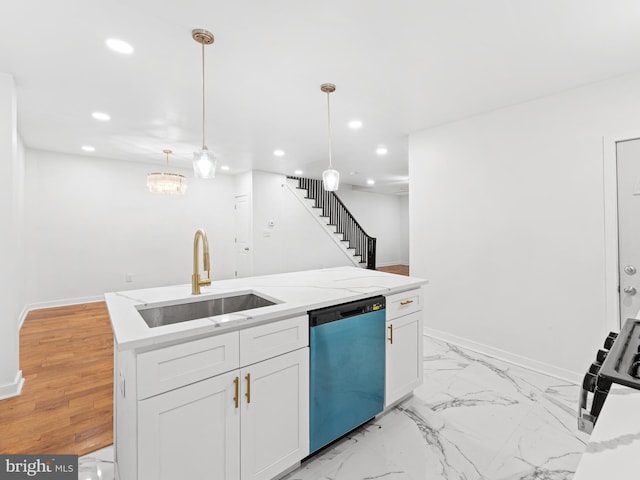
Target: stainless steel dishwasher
x,y
347,363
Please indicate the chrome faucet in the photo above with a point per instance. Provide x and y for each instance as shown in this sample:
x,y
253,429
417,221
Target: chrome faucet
x,y
196,283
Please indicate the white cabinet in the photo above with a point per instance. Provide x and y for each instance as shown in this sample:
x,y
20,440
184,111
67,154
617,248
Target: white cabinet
x,y
403,355
275,416
167,368
199,430
190,432
248,422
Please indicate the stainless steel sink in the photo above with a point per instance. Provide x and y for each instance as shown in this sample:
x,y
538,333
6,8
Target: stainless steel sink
x,y
156,316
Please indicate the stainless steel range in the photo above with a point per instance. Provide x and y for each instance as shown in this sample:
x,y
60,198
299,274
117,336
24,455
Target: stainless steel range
x,y
618,362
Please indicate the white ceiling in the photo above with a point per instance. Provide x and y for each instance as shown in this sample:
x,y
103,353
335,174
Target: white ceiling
x,y
399,66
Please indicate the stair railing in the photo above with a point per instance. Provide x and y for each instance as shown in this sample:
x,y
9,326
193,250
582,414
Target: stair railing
x,y
339,216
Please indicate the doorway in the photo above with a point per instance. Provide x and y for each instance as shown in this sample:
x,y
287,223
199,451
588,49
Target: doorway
x,y
243,254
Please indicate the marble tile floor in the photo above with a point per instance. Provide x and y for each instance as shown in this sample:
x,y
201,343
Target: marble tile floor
x,y
474,418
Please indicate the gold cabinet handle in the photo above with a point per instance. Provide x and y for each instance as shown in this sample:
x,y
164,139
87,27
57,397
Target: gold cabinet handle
x,y
406,302
248,394
390,327
236,399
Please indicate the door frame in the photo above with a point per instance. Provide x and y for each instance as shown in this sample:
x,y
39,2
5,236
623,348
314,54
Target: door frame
x,y
610,191
249,231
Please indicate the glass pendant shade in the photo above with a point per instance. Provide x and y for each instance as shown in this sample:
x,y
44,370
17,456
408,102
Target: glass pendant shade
x,y
204,164
330,180
167,183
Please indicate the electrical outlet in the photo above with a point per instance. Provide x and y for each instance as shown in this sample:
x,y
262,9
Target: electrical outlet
x,y
128,278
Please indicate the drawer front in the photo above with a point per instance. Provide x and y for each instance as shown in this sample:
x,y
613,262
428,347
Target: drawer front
x,y
401,304
273,339
178,365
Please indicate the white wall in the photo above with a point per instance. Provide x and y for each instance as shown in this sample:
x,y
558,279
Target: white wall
x,y
506,213
85,235
12,274
382,216
92,221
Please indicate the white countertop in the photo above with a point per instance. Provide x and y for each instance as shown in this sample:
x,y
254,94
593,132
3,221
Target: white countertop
x,y
613,451
295,293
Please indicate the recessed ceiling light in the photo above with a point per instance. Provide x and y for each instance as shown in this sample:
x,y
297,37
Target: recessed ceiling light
x,y
353,173
88,148
224,167
278,153
355,124
297,172
371,182
381,150
119,46
103,117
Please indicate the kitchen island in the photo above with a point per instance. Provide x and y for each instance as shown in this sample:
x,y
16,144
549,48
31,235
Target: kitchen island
x,y
192,396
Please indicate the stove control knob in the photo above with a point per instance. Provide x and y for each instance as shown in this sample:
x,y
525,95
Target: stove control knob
x,y
589,382
594,368
601,355
608,342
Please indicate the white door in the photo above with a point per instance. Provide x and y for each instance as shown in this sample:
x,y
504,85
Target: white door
x,y
275,417
628,179
244,259
191,432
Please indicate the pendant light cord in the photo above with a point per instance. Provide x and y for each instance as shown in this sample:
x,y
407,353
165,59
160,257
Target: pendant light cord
x,y
203,102
329,126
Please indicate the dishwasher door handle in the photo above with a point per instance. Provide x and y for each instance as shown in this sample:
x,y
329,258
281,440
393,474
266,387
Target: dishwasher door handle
x,y
390,327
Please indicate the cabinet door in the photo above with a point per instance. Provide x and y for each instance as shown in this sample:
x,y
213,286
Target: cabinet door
x,y
404,369
191,432
275,415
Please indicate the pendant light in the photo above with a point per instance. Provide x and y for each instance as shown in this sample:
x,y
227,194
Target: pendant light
x,y
330,177
167,182
204,164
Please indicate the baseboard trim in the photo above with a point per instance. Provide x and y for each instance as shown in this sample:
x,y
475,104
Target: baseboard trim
x,y
56,303
12,389
569,376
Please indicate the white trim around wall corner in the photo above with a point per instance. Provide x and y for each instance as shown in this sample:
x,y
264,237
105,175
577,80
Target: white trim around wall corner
x,y
23,315
12,389
610,202
56,303
574,378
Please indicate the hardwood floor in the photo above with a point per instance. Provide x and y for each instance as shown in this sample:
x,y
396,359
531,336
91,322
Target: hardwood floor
x,y
66,405
397,269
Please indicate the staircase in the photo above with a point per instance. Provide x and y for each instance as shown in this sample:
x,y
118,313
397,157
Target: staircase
x,y
335,215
